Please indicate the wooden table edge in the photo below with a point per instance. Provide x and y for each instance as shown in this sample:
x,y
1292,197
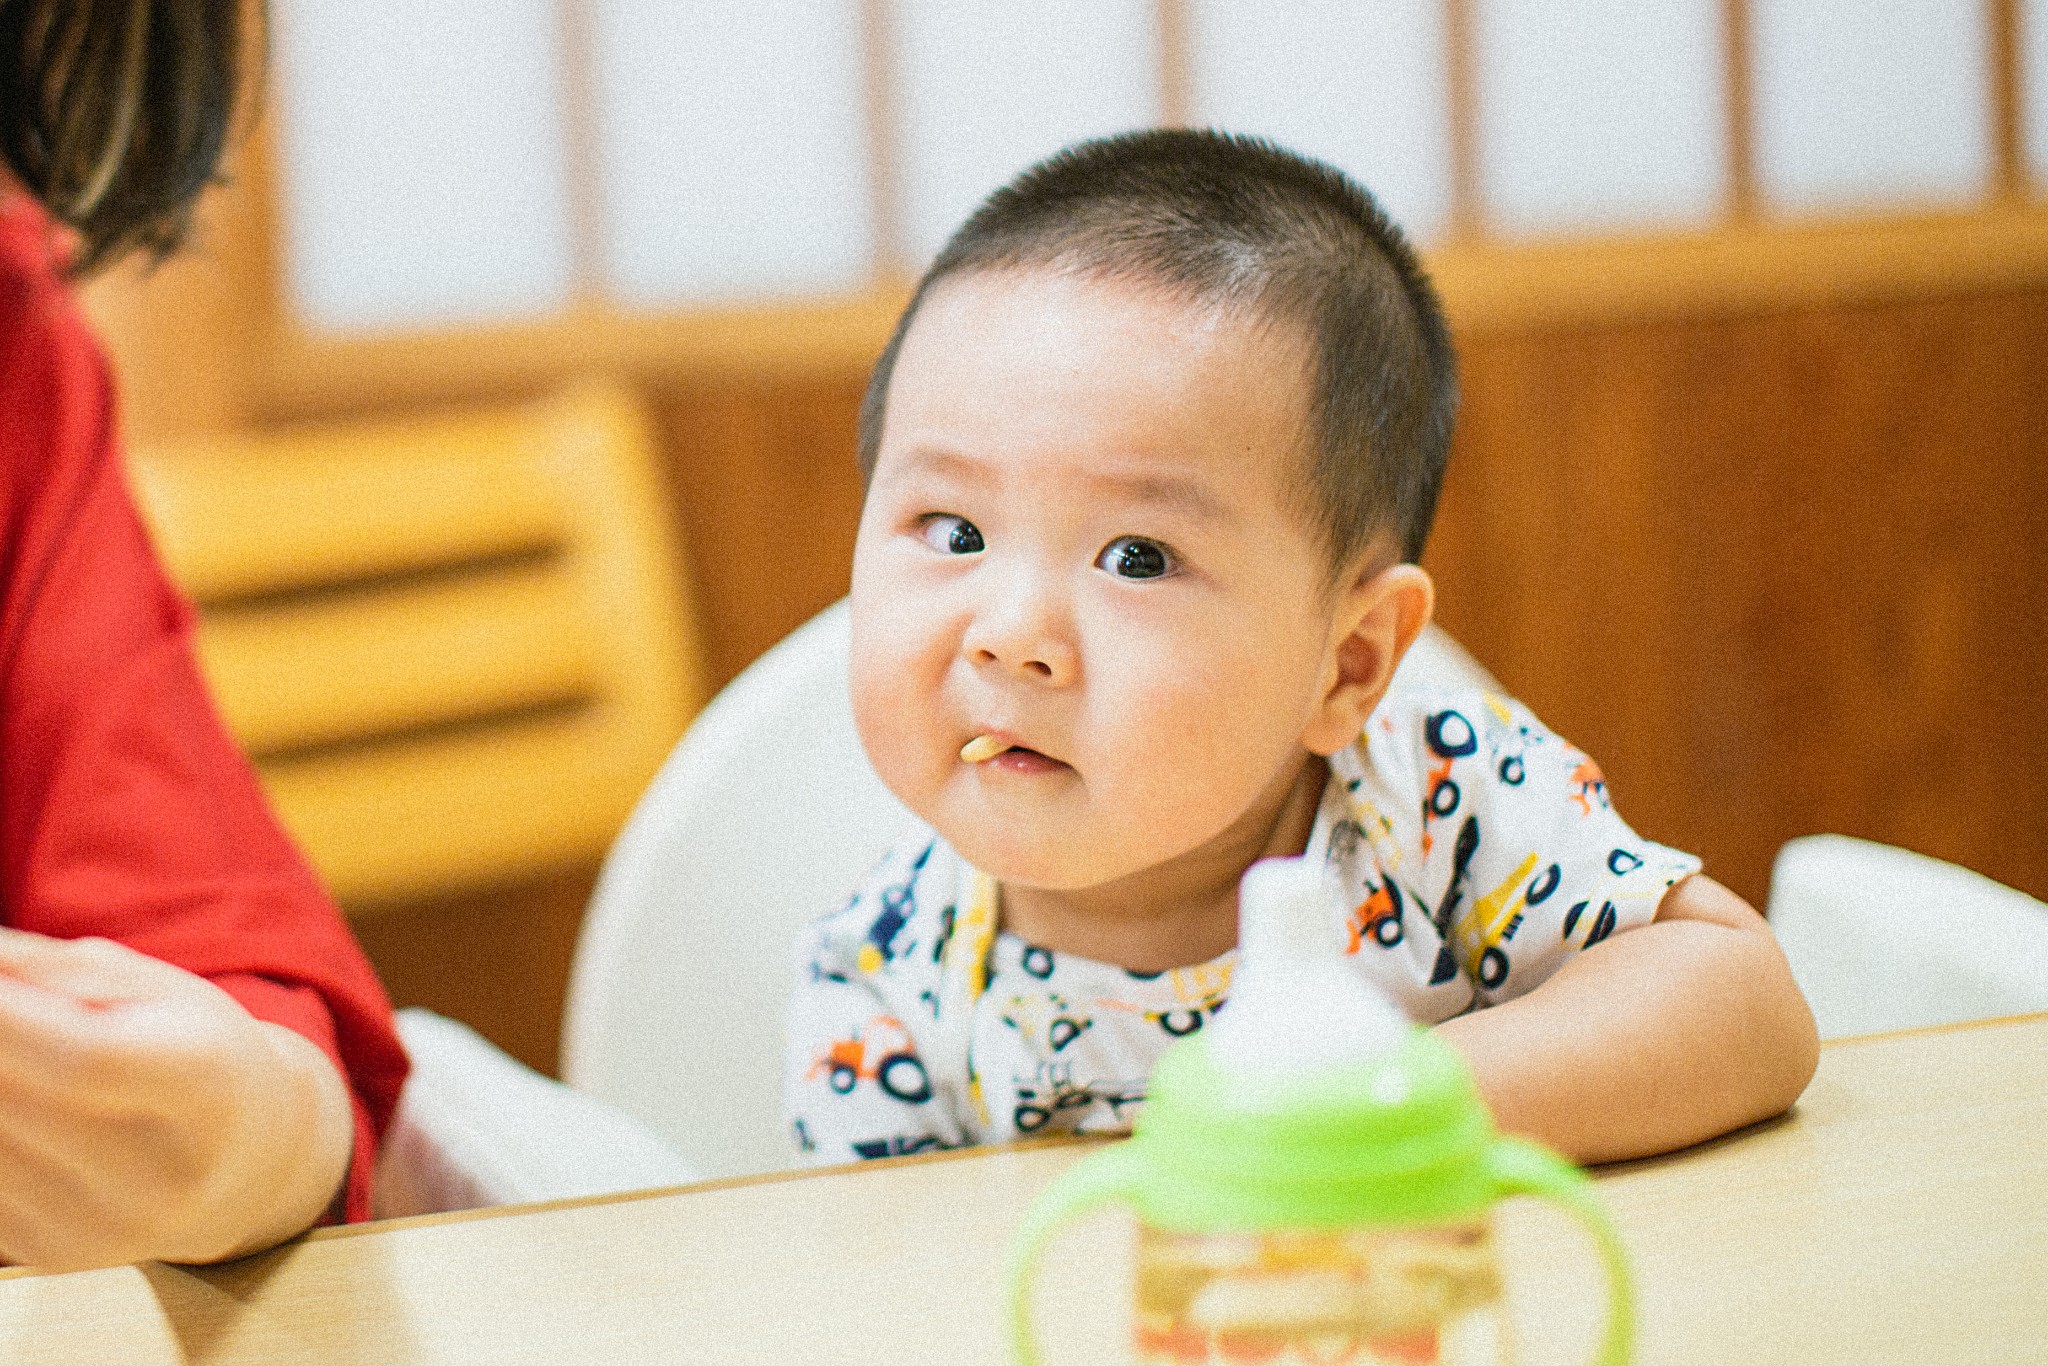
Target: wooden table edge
x,y
1955,1027
956,1154
693,1187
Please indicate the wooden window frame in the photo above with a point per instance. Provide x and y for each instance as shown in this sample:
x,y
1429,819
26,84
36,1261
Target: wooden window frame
x,y
1749,261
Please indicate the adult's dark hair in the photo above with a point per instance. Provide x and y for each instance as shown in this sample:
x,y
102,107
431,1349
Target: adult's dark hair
x,y
113,113
1239,222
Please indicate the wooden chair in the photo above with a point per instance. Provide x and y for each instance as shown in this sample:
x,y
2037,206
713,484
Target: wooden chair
x,y
455,647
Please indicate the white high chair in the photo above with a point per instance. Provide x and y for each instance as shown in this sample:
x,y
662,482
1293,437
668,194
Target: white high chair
x,y
1882,939
765,817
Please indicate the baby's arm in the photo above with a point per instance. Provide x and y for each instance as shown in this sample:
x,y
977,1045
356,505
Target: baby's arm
x,y
1651,1040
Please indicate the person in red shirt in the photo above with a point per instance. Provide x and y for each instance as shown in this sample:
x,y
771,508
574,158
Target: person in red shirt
x,y
196,1060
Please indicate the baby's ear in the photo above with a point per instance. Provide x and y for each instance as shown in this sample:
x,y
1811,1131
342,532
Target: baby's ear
x,y
1377,617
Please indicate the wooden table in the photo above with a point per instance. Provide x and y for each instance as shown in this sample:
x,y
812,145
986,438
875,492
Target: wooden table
x,y
1899,1215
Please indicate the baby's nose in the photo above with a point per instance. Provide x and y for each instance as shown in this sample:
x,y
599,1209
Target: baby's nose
x,y
1043,659
1026,636
1041,667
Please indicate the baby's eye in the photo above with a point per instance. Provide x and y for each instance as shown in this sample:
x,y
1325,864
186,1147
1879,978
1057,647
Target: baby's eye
x,y
1134,557
954,535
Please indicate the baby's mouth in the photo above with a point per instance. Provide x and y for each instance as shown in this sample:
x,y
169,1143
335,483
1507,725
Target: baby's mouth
x,y
1000,753
1019,759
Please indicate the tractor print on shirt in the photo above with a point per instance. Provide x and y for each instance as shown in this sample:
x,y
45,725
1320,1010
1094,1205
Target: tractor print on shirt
x,y
1509,741
898,1145
1053,1098
1368,826
1588,787
883,1054
1451,738
1598,927
1047,1023
1198,992
1601,923
1510,757
1049,1093
1483,931
899,904
1377,919
1454,896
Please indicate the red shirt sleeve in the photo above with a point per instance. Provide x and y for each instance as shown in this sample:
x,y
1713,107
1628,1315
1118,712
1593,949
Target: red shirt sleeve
x,y
126,811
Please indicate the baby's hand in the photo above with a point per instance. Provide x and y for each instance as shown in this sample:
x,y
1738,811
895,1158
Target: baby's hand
x,y
144,1114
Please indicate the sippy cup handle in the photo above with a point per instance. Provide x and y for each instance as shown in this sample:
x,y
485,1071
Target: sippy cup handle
x,y
1522,1168
1111,1174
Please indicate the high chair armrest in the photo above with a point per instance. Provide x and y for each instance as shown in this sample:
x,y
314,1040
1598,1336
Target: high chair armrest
x,y
1880,938
475,1128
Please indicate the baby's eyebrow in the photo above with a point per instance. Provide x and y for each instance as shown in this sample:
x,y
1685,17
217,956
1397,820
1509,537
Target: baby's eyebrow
x,y
947,464
1174,492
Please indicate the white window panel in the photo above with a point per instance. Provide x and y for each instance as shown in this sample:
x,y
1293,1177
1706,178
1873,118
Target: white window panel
x,y
422,160
2033,19
986,87
1601,114
1359,85
1870,103
734,148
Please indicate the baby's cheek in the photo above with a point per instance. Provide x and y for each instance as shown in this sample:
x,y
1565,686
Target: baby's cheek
x,y
886,717
1193,741
1233,713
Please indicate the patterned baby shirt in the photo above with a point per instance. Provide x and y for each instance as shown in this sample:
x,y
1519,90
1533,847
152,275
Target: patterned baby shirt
x,y
1471,853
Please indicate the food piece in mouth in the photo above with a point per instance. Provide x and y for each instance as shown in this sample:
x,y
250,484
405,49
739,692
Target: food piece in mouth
x,y
981,749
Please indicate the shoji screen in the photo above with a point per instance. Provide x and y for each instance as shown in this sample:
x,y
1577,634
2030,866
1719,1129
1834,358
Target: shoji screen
x,y
455,162
1600,114
1871,104
2033,82
985,87
733,155
423,167
1362,86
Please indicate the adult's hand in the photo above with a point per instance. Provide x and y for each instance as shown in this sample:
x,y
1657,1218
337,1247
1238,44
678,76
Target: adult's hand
x,y
144,1114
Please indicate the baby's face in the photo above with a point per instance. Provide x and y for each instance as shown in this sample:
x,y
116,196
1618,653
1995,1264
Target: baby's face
x,y
1078,539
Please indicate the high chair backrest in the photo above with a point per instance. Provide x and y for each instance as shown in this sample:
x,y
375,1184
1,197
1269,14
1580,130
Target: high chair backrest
x,y
456,646
766,817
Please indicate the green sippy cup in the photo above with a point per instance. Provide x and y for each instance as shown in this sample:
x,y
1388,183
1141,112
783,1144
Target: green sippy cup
x,y
1336,1209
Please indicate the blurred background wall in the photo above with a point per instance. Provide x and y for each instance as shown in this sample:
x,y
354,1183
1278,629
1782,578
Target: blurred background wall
x,y
1748,497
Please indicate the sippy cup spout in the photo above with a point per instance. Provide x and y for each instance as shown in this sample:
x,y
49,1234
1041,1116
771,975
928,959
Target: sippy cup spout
x,y
1280,916
1296,1006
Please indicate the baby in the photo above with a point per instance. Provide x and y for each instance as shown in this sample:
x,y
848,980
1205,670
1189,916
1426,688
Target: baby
x,y
1150,460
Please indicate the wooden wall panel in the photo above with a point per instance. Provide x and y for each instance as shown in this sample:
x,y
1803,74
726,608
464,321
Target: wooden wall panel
x,y
498,960
768,493
1780,574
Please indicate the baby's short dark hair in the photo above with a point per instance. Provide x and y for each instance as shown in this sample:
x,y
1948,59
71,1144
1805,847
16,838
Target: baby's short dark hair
x,y
1237,221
